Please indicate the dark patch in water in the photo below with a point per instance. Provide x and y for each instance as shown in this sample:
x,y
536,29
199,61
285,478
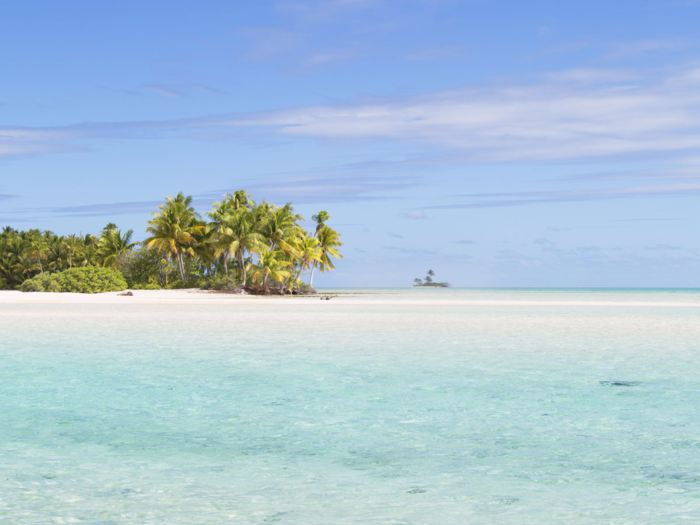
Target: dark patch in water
x,y
620,383
417,491
275,517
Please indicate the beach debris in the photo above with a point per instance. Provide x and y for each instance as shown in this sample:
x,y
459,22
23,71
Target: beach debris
x,y
127,294
327,297
620,383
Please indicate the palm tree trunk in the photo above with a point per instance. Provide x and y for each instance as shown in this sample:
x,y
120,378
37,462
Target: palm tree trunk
x,y
311,279
180,267
301,268
265,284
38,258
241,264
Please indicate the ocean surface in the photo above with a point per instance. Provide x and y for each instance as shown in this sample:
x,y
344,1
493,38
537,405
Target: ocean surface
x,y
383,407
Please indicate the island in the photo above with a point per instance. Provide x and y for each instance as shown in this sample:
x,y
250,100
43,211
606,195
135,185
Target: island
x,y
243,247
428,282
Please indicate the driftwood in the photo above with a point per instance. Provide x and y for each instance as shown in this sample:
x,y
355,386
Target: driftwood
x,y
127,294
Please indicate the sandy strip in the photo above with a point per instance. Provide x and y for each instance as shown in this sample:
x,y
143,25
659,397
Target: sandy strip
x,y
174,297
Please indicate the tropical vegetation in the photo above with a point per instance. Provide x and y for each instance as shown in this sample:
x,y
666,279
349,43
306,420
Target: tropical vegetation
x,y
88,279
239,245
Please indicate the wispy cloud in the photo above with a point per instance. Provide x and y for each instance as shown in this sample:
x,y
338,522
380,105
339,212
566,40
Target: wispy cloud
x,y
410,251
545,122
415,215
496,200
437,53
662,247
330,57
627,49
552,120
305,190
297,190
6,197
394,235
547,245
164,91
264,43
646,219
463,241
97,210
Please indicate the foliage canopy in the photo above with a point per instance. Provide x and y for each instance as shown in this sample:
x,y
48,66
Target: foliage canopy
x,y
260,247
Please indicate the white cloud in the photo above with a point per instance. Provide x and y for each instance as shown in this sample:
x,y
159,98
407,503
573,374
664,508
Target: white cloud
x,y
546,121
554,119
627,49
415,215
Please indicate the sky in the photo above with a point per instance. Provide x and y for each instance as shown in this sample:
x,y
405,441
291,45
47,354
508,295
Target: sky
x,y
499,143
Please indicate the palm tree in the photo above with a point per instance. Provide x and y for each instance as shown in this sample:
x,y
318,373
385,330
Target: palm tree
x,y
72,245
329,242
281,227
173,230
307,251
320,219
90,254
240,200
39,249
24,267
220,210
112,244
56,256
89,250
236,236
269,266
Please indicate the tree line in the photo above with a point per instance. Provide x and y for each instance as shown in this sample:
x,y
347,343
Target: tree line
x,y
238,244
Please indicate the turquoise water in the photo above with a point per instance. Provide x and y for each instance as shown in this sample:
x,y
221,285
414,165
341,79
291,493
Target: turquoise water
x,y
360,410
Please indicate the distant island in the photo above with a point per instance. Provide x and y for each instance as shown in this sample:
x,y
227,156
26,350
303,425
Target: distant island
x,y
428,282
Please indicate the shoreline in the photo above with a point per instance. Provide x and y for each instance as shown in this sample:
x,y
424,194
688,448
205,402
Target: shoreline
x,y
196,296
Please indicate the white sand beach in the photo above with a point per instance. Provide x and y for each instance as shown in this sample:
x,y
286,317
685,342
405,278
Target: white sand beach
x,y
387,297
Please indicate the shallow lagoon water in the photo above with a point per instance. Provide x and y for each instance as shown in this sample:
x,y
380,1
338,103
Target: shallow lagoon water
x,y
393,408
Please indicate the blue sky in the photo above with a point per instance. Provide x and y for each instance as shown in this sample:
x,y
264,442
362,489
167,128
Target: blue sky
x,y
500,143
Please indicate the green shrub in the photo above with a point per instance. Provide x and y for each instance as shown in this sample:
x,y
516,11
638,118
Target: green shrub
x,y
221,282
145,286
178,284
4,285
88,279
44,282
